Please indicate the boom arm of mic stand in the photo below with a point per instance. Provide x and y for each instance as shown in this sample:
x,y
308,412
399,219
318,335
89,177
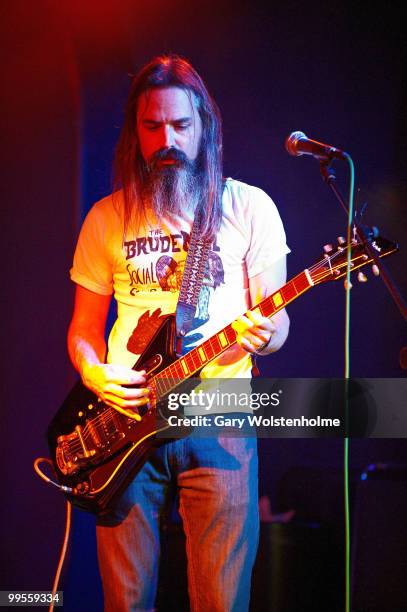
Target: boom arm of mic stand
x,y
328,176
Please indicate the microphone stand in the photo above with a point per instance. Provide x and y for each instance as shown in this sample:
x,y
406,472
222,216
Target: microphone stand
x,y
367,236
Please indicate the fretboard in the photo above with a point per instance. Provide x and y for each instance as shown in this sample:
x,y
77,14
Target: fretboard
x,y
191,363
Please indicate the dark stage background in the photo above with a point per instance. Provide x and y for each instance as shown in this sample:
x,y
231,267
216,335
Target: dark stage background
x,y
333,70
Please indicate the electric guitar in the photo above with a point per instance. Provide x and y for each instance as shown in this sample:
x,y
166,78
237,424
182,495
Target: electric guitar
x,y
96,451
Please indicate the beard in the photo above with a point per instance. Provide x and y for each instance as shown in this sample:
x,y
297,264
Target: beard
x,y
172,189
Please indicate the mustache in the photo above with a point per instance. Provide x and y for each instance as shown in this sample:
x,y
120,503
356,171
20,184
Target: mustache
x,y
169,153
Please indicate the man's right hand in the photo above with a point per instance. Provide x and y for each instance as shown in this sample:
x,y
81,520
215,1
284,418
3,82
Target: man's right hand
x,y
113,384
110,381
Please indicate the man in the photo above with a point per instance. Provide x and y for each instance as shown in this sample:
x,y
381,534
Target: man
x,y
134,244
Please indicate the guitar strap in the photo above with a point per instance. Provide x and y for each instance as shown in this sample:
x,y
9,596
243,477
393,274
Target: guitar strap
x,y
194,272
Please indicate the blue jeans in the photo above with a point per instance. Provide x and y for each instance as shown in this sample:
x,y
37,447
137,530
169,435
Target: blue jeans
x,y
216,479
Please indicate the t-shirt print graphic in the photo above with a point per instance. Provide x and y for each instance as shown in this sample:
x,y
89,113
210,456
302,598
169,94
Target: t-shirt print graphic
x,y
169,274
145,329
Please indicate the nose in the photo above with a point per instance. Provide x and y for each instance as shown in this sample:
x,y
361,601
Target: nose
x,y
168,136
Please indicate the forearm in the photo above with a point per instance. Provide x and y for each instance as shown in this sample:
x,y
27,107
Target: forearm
x,y
258,334
86,348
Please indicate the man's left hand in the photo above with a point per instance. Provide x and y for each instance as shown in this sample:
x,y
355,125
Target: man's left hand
x,y
254,332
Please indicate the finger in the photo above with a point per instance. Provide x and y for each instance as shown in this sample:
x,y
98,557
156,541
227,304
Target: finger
x,y
139,376
125,376
254,344
241,324
115,401
246,345
253,335
132,413
259,320
128,393
129,413
257,340
259,335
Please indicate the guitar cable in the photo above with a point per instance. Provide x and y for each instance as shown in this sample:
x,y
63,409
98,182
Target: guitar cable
x,y
67,525
46,478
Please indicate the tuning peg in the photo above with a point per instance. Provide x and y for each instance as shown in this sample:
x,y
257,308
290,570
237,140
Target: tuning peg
x,y
345,284
375,270
341,240
328,248
362,278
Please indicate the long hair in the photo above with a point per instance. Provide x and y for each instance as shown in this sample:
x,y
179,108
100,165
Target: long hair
x,y
171,71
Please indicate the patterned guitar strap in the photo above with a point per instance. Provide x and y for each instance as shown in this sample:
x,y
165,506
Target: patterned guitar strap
x,y
192,279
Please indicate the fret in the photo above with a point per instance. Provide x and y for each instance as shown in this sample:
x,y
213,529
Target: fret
x,y
195,359
222,339
178,371
162,387
216,344
202,354
184,366
169,384
278,299
289,292
189,362
209,349
168,371
230,334
301,282
172,370
181,367
266,308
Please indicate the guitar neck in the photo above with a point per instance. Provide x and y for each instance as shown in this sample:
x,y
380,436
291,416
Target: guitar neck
x,y
191,363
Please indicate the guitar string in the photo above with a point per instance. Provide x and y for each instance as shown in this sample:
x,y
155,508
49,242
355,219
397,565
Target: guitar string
x,y
103,418
211,341
107,417
194,355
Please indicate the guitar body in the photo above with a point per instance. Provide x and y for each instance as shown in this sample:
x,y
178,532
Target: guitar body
x,y
97,451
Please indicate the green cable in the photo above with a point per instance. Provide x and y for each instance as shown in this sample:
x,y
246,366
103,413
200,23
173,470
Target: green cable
x,y
347,371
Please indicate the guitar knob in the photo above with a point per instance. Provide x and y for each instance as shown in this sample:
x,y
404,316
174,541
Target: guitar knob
x,y
328,248
341,240
345,284
375,270
362,278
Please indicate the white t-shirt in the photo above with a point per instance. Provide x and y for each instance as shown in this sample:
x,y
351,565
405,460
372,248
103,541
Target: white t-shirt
x,y
144,271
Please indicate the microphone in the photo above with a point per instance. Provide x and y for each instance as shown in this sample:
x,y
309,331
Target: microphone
x,y
298,144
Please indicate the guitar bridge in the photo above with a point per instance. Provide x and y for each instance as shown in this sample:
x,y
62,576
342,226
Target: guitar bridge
x,y
88,444
71,450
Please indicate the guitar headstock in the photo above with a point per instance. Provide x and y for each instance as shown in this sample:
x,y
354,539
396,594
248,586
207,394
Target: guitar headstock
x,y
334,262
